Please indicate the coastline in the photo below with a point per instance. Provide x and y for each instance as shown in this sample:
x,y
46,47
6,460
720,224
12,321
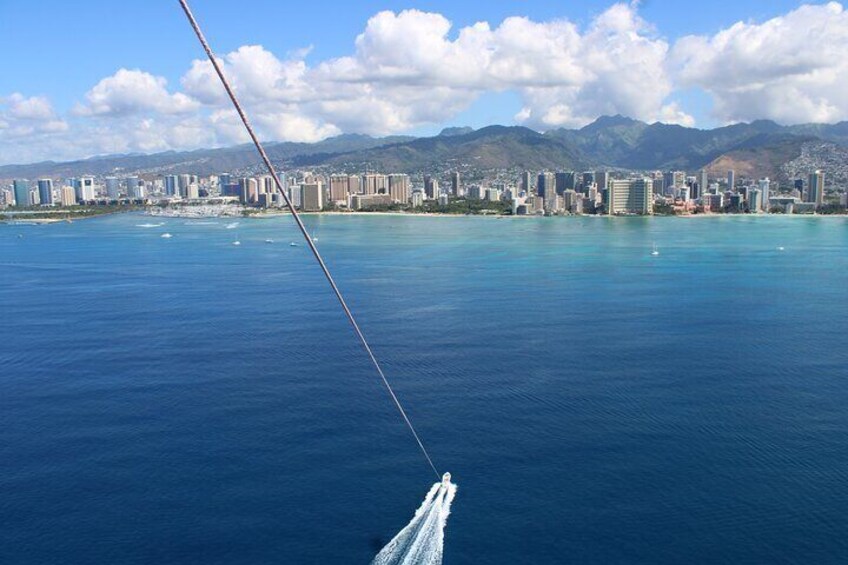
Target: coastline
x,y
277,214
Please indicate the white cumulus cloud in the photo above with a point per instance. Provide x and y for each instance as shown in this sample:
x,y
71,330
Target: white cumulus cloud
x,y
413,68
792,68
131,92
28,117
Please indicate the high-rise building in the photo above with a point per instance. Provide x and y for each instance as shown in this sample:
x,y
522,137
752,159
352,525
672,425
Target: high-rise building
x,y
475,192
456,184
67,196
714,202
45,191
134,187
172,184
339,186
755,200
526,182
815,188
629,196
588,180
602,179
673,180
312,197
374,183
182,182
248,190
565,181
354,184
703,183
765,193
731,179
679,179
113,187
85,189
545,184
399,189
668,182
21,189
552,202
735,202
572,201
431,188
265,185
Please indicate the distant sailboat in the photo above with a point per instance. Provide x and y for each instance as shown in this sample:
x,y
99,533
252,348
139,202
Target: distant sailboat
x,y
292,244
655,251
166,236
236,241
269,240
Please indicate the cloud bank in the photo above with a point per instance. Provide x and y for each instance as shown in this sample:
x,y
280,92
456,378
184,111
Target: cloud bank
x,y
411,69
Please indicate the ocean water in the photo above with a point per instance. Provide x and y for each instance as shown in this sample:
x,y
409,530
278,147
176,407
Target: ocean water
x,y
185,400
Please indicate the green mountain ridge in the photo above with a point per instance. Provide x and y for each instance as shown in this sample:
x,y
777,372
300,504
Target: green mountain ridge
x,y
613,142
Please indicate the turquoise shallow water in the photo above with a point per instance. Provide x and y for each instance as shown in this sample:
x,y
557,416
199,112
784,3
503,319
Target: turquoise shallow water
x,y
185,400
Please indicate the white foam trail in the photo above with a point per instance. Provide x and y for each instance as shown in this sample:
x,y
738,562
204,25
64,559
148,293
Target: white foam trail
x,y
421,542
149,225
232,226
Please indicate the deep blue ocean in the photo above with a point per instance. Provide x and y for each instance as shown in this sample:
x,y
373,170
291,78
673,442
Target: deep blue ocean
x,y
186,400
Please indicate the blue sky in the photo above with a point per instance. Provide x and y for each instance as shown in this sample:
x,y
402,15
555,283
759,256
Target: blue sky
x,y
56,52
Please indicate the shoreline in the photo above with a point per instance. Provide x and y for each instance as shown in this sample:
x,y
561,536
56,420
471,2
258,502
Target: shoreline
x,y
271,215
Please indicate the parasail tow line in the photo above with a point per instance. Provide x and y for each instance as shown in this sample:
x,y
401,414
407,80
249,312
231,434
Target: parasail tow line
x,y
302,228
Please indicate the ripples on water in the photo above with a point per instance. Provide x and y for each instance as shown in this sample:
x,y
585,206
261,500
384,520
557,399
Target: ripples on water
x,y
191,401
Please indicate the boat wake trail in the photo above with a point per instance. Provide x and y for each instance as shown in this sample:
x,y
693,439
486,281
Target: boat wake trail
x,y
422,540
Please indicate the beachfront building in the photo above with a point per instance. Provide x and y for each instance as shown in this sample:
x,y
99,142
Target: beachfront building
x,y
113,187
135,188
312,197
815,188
399,188
45,191
755,200
629,196
20,188
84,188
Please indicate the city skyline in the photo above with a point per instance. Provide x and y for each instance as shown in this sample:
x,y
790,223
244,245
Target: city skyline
x,y
561,192
400,70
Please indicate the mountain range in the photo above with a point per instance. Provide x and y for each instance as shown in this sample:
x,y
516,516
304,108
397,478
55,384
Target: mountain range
x,y
760,148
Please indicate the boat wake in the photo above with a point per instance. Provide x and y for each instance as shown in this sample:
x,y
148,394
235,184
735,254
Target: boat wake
x,y
232,226
421,542
149,225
